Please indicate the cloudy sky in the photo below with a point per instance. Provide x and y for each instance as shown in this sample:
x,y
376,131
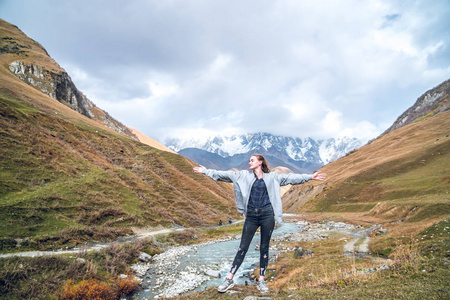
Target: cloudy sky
x,y
181,68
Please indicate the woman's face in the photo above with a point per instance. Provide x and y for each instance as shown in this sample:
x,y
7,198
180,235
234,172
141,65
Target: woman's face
x,y
254,163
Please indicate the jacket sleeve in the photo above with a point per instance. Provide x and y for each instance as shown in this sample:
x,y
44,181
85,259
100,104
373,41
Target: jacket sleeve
x,y
285,179
226,176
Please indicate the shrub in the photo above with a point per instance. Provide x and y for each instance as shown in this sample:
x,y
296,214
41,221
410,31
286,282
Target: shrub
x,y
7,243
182,237
126,284
384,252
88,289
93,289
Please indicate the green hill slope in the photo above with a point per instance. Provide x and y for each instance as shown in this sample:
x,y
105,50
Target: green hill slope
x,y
67,178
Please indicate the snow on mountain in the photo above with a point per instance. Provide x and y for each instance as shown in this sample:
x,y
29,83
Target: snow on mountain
x,y
332,149
285,148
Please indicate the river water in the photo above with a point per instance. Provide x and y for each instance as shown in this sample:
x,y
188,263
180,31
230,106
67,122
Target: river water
x,y
183,268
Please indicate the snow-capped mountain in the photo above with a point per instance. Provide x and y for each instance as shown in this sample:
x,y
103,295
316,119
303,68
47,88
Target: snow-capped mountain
x,y
233,151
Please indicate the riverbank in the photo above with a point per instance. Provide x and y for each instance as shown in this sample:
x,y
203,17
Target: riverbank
x,y
324,271
419,269
170,275
46,274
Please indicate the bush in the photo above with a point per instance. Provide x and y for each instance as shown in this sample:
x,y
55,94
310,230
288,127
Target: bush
x,y
88,289
7,243
384,252
93,289
182,237
126,285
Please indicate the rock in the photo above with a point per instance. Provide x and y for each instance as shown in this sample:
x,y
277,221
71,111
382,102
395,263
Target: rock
x,y
212,273
232,292
145,257
381,231
81,260
309,252
298,252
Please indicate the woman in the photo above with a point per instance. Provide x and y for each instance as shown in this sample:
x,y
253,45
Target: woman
x,y
258,197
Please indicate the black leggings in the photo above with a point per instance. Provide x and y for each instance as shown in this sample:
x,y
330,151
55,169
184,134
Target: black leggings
x,y
255,218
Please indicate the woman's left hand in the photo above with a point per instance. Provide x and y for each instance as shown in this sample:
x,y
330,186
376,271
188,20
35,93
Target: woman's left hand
x,y
319,176
198,169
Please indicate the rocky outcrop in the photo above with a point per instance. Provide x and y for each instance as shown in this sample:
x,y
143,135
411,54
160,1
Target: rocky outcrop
x,y
58,85
434,101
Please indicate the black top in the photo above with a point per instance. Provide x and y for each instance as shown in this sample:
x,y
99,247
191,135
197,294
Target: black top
x,y
258,195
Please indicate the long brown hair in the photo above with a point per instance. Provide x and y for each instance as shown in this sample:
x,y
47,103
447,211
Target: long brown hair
x,y
265,164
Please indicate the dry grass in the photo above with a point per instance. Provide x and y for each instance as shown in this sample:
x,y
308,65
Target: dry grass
x,y
92,275
399,181
94,289
59,176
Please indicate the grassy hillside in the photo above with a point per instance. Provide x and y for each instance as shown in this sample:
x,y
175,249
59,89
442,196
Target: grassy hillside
x,y
400,180
30,62
66,178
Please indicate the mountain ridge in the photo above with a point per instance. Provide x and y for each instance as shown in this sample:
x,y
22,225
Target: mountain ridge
x,y
30,62
299,155
433,101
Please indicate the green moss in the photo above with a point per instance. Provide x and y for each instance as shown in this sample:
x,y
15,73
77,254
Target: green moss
x,y
383,252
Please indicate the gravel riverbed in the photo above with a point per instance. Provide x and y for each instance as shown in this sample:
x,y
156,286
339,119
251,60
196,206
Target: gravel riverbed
x,y
165,277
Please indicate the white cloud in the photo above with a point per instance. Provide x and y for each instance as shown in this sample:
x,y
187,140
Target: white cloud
x,y
364,130
297,68
161,90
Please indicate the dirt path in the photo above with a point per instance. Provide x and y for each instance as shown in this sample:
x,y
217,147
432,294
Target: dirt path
x,y
357,245
99,246
360,241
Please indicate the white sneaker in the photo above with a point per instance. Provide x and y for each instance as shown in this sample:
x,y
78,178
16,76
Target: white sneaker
x,y
226,284
262,287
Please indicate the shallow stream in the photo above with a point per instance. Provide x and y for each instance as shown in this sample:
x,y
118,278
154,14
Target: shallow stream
x,y
187,266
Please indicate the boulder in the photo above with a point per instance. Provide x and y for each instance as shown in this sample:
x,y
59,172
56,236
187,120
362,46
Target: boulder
x,y
145,257
299,252
212,273
381,231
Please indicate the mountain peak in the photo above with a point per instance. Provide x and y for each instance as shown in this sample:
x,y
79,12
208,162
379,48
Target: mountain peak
x,y
295,153
432,102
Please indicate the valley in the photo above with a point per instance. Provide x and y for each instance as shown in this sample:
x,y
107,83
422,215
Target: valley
x,y
71,175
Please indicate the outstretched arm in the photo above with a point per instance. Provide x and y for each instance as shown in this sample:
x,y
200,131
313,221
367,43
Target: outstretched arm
x,y
226,176
285,179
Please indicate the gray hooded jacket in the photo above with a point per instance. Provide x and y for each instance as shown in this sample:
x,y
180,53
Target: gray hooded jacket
x,y
243,181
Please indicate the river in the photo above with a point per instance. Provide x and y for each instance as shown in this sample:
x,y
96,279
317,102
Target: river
x,y
182,269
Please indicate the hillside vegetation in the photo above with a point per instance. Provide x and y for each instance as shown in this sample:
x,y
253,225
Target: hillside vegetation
x,y
401,180
399,183
66,178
